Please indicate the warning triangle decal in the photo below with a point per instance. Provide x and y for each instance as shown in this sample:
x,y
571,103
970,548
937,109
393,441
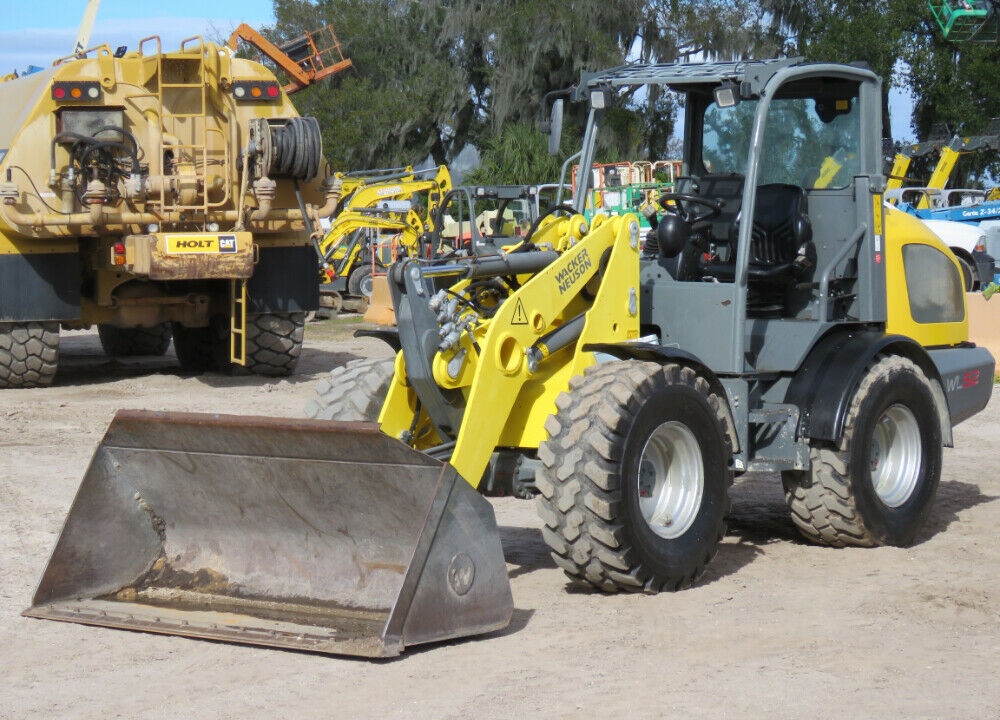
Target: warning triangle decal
x,y
520,317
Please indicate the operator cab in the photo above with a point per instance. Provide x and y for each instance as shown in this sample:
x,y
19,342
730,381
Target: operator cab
x,y
810,146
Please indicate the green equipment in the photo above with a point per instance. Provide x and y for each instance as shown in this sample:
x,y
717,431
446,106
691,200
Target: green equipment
x,y
967,20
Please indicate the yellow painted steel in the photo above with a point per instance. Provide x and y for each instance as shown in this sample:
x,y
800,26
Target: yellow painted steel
x,y
903,229
900,166
597,276
358,214
131,85
238,322
942,171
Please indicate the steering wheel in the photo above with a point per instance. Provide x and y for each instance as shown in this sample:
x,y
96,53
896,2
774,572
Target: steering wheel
x,y
683,201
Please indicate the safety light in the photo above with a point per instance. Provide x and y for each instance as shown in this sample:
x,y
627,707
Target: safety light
x,y
727,94
118,253
76,91
253,90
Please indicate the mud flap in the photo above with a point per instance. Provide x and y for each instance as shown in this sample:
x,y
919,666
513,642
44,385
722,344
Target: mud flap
x,y
312,535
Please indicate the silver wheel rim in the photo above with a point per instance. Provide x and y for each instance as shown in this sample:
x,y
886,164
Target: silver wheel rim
x,y
367,285
896,455
670,480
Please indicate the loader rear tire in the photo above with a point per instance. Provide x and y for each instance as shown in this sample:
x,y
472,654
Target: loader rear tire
x,y
130,342
876,485
29,354
274,342
353,392
634,477
203,349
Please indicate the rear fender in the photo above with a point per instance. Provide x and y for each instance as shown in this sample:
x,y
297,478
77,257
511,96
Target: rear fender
x,y
967,378
832,372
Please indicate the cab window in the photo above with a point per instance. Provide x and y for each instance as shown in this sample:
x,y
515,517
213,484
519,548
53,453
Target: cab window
x,y
933,285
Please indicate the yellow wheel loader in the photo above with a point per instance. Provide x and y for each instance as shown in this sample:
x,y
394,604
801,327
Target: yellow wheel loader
x,y
153,194
763,324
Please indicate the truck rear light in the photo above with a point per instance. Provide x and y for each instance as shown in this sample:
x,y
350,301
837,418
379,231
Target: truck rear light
x,y
76,91
118,253
247,90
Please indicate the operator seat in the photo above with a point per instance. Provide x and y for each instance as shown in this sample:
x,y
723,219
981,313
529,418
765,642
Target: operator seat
x,y
781,248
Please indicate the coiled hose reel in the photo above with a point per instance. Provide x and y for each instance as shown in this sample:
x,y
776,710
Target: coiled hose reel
x,y
285,148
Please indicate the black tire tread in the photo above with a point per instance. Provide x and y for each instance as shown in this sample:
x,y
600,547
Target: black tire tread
x,y
824,508
352,392
274,342
29,354
581,497
131,342
203,349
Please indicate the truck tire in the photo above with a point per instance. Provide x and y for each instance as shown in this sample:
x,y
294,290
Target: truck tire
x,y
274,342
129,342
875,486
634,477
29,354
203,349
353,392
359,284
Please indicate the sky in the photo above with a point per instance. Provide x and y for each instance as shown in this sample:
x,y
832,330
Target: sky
x,y
36,32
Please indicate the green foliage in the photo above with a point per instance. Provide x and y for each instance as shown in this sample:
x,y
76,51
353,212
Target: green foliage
x,y
519,155
431,76
951,83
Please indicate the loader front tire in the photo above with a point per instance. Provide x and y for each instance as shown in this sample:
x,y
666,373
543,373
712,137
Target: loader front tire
x,y
353,392
130,342
274,342
634,477
29,354
876,485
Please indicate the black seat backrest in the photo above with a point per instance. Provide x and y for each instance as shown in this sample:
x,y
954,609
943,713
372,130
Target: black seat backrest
x,y
776,211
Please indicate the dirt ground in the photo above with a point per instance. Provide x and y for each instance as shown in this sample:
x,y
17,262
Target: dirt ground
x,y
776,629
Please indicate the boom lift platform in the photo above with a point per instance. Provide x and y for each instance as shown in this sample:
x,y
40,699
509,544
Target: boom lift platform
x,y
306,59
967,20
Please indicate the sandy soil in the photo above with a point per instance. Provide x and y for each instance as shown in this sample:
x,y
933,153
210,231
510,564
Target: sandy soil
x,y
777,628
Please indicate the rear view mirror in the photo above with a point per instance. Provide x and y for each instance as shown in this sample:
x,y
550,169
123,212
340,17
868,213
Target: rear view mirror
x,y
555,126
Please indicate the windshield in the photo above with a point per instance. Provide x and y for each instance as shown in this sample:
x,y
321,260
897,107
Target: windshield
x,y
811,142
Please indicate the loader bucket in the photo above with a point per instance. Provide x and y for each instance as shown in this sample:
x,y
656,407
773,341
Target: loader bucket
x,y
312,535
380,309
